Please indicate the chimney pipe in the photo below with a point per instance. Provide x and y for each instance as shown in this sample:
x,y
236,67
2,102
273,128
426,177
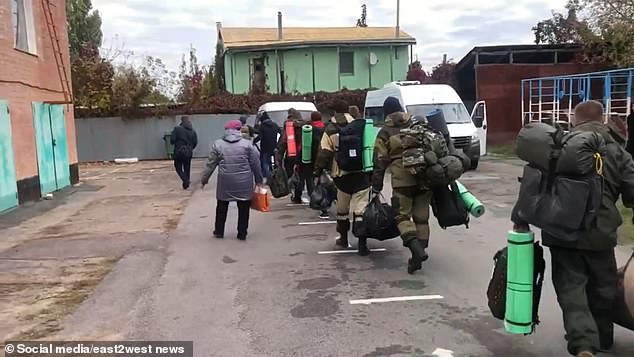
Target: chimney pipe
x,y
444,58
398,18
280,36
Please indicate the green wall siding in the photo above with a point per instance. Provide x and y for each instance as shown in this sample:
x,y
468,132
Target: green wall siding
x,y
297,65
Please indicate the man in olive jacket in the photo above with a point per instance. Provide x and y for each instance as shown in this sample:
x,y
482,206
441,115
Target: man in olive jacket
x,y
408,197
584,272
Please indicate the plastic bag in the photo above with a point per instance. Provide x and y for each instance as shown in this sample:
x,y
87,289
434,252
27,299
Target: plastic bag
x,y
320,199
294,182
379,221
279,183
260,200
623,312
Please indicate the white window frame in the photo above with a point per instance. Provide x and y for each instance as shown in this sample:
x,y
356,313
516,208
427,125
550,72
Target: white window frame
x,y
26,6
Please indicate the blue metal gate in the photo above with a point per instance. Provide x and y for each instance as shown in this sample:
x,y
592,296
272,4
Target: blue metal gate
x,y
52,150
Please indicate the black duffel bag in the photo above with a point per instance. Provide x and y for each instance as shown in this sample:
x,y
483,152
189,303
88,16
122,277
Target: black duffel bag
x,y
320,198
379,221
278,183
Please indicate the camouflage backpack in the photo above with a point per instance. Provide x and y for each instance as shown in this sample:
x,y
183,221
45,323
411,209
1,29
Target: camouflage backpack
x,y
426,155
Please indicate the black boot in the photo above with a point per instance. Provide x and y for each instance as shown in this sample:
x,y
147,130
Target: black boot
x,y
343,226
363,247
418,256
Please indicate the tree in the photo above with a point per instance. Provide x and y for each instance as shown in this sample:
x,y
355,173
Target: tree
x,y
562,29
361,22
606,31
92,79
444,73
131,87
210,83
219,67
84,26
191,80
417,73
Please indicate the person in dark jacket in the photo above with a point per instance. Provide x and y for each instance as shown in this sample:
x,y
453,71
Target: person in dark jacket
x,y
292,164
267,137
238,167
630,131
185,140
318,131
248,132
584,271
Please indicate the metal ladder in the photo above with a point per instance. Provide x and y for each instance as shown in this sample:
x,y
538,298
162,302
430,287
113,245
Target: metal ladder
x,y
57,52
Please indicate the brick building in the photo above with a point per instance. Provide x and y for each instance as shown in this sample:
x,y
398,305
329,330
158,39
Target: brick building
x,y
495,73
37,133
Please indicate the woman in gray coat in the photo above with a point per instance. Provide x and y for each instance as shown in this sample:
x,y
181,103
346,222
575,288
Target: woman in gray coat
x,y
238,166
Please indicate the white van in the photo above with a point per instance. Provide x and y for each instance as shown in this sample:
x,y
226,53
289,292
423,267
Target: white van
x,y
278,111
467,131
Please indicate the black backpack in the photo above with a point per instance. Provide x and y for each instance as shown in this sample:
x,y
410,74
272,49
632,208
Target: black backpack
x,y
448,207
496,291
349,155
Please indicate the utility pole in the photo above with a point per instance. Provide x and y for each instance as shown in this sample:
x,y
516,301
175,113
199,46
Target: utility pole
x,y
398,18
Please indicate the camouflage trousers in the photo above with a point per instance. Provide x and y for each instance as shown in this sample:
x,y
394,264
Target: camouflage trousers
x,y
412,205
346,203
586,286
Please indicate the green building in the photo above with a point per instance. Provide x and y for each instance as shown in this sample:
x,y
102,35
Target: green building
x,y
306,60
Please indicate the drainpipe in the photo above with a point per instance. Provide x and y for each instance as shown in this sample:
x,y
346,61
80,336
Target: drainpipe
x,y
280,36
313,60
398,18
369,68
391,64
338,70
277,71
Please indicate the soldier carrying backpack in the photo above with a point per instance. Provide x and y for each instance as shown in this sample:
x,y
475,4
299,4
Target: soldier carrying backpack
x,y
341,153
569,189
289,152
420,159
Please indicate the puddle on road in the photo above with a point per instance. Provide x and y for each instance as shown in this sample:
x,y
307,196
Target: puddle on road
x,y
322,283
316,304
227,260
408,284
316,236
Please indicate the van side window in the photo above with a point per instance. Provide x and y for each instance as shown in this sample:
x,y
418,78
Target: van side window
x,y
376,114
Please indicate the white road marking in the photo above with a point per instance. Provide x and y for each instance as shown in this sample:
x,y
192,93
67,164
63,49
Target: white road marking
x,y
441,352
314,223
296,204
479,178
349,251
398,298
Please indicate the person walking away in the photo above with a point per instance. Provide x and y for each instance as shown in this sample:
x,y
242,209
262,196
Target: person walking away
x,y
292,157
185,140
267,137
584,272
353,187
408,197
318,132
355,112
238,167
247,131
630,131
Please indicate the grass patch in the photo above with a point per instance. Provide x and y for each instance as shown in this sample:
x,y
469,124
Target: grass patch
x,y
504,150
626,231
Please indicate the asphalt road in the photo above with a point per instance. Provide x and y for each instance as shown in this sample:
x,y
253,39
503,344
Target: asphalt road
x,y
275,295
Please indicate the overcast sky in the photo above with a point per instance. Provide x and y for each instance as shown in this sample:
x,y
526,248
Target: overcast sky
x,y
166,28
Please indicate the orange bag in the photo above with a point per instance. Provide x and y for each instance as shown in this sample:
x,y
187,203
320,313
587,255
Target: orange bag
x,y
291,146
260,200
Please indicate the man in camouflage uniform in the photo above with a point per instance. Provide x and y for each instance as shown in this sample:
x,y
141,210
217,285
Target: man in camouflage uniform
x,y
584,272
408,197
353,188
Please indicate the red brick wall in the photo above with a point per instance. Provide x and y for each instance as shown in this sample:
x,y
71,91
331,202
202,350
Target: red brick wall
x,y
500,86
26,78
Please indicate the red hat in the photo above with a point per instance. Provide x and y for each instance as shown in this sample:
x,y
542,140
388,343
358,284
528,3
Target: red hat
x,y
233,124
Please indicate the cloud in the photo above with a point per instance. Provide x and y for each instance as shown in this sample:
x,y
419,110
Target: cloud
x,y
166,29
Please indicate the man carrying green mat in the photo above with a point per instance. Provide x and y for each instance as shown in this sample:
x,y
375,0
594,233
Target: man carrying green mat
x,y
584,268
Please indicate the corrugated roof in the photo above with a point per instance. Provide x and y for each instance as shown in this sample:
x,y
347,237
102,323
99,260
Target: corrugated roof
x,y
253,37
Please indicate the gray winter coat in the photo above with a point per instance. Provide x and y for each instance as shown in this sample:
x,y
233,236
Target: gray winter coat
x,y
238,164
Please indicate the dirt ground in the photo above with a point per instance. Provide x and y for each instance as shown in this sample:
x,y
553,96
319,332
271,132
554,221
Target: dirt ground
x,y
54,253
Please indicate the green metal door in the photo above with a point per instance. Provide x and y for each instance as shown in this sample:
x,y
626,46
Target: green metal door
x,y
52,150
8,186
60,145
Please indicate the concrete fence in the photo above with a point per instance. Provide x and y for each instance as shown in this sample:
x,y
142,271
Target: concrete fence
x,y
105,139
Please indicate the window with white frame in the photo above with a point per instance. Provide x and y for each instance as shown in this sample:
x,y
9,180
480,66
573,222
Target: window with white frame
x,y
23,25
